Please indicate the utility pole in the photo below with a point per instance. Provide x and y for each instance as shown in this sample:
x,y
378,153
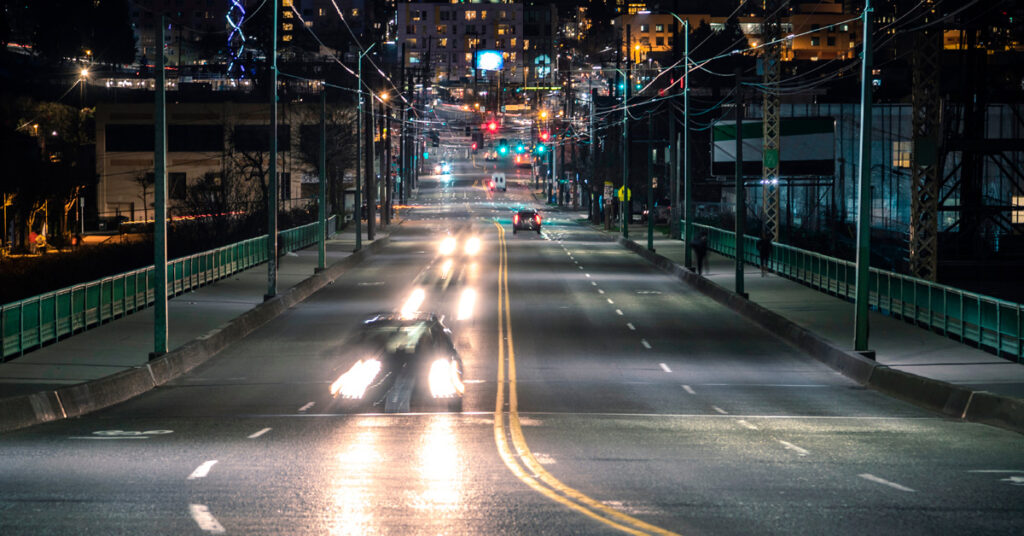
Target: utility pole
x,y
650,182
627,205
595,208
159,199
741,198
687,178
272,180
321,219
860,323
403,150
357,211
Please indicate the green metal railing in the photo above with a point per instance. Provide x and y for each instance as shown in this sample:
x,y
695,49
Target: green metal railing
x,y
988,323
33,322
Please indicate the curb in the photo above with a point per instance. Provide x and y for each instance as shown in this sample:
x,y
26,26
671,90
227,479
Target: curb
x,y
77,400
938,396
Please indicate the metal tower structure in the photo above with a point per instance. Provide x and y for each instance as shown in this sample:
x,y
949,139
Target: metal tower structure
x,y
925,173
772,31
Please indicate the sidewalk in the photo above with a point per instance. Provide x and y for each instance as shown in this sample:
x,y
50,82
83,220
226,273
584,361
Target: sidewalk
x,y
125,343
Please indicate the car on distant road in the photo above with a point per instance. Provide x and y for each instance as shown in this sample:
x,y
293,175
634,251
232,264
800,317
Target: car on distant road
x,y
407,360
527,218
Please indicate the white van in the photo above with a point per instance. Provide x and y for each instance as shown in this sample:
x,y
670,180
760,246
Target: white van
x,y
498,180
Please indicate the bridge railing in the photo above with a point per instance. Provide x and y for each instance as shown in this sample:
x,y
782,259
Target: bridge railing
x,y
32,322
989,323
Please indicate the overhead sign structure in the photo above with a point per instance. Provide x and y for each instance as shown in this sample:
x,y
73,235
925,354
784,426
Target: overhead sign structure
x,y
489,60
807,148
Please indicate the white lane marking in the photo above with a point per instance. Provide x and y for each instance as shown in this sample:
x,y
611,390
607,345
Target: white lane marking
x,y
307,406
578,266
97,437
599,291
588,275
794,448
202,516
544,459
594,283
648,346
872,478
664,366
746,424
610,302
630,326
202,470
689,389
720,410
619,312
257,434
370,284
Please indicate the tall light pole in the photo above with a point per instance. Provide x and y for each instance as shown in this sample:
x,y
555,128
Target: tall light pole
x,y
272,181
863,269
357,211
159,199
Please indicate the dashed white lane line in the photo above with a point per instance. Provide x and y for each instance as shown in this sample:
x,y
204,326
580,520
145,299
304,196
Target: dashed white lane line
x,y
630,326
588,275
648,346
746,424
257,434
619,312
202,516
689,389
578,266
794,448
599,291
307,406
202,470
592,282
610,302
664,366
872,478
720,410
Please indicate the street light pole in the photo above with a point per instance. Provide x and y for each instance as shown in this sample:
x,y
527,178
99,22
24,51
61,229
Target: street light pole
x,y
357,210
687,179
860,323
626,206
272,180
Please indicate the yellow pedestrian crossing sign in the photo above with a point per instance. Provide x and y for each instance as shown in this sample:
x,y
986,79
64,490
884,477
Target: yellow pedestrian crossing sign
x,y
628,196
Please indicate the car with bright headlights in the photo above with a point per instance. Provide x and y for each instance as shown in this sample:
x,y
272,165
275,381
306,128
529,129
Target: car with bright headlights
x,y
406,361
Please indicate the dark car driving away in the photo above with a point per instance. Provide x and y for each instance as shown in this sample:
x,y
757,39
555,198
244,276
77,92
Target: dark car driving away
x,y
407,360
527,219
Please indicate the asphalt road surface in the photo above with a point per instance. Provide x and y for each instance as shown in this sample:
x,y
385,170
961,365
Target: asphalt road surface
x,y
602,397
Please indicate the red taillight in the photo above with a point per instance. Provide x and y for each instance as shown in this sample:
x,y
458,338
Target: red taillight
x,y
515,218
537,217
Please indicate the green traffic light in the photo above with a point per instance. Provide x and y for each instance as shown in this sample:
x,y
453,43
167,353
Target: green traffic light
x,y
426,155
540,149
502,149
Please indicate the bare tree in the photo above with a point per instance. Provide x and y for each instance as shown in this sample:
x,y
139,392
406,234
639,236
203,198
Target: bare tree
x,y
145,181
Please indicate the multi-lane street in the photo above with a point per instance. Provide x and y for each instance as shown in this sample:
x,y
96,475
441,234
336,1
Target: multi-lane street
x,y
601,397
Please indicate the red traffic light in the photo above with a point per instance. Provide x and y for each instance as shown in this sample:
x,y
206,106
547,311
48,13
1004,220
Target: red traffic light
x,y
492,126
544,136
473,146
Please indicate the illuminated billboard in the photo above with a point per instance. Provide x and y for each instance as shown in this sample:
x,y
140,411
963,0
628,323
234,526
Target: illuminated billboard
x,y
489,60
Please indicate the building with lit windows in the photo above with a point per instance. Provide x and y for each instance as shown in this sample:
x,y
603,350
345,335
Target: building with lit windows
x,y
821,30
444,39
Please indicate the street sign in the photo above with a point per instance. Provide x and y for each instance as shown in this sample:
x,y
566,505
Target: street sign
x,y
628,194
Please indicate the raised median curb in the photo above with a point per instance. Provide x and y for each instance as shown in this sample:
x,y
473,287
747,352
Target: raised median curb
x,y
942,397
76,400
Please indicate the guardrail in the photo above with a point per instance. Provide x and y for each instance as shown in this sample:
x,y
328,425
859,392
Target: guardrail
x,y
988,323
30,323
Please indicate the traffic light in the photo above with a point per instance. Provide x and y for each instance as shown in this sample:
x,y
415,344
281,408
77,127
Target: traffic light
x,y
520,148
545,135
473,146
503,150
492,126
541,148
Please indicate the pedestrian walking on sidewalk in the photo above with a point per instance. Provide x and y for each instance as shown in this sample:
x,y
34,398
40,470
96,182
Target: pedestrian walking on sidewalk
x,y
764,250
700,248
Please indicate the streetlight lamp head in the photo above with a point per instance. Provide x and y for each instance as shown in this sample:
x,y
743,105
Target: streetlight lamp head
x,y
84,72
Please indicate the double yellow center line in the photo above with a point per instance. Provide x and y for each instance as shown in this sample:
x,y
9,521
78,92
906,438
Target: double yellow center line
x,y
508,434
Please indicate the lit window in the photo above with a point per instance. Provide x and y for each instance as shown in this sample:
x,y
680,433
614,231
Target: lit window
x,y
469,57
1017,217
442,42
644,28
512,42
815,41
470,15
659,27
901,153
355,12
442,29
